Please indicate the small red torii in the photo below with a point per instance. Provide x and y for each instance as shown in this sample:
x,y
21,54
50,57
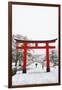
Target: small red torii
x,y
25,47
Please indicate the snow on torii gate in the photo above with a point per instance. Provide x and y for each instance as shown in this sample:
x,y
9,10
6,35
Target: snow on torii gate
x,y
25,47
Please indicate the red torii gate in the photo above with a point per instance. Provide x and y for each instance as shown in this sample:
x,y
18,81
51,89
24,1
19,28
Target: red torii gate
x,y
25,47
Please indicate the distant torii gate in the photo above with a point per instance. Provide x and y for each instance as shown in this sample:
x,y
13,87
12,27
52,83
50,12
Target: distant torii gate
x,y
25,47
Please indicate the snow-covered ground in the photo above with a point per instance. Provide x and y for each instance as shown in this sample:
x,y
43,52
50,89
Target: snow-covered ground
x,y
36,76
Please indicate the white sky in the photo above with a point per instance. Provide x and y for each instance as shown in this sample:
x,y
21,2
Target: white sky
x,y
37,23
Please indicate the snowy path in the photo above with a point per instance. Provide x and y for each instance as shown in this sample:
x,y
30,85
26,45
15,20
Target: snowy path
x,y
36,76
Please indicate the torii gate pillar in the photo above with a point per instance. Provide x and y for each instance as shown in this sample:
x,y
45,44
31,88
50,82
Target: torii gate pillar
x,y
24,62
47,58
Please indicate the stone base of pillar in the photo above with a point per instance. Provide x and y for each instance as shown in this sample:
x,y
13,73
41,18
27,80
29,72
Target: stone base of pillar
x,y
24,70
48,69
